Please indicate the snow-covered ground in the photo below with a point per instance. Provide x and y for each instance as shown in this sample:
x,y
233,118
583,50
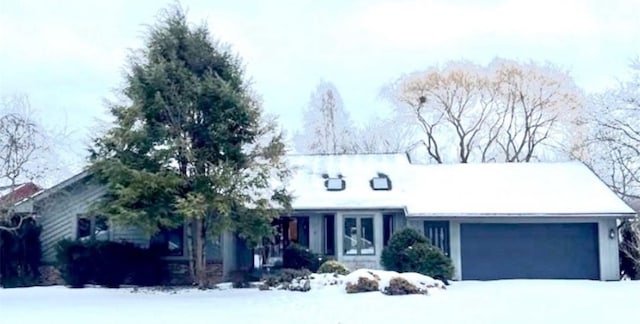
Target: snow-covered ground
x,y
507,301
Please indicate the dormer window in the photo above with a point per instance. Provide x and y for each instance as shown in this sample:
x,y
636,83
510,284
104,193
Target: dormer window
x,y
334,183
381,182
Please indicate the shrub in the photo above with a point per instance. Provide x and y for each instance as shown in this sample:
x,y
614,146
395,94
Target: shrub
x,y
73,263
20,254
242,278
410,251
630,250
401,286
296,256
333,266
286,276
109,264
363,285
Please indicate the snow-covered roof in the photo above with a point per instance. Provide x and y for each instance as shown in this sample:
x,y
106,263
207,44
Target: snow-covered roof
x,y
568,188
309,191
492,189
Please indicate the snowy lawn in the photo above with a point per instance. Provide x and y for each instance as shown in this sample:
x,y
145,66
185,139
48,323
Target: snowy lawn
x,y
506,301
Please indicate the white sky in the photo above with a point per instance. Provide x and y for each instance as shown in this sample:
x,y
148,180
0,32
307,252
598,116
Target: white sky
x,y
69,55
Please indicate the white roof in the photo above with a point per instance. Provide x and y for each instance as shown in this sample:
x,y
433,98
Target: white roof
x,y
566,188
513,188
307,182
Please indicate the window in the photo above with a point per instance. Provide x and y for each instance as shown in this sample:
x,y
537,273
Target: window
x,y
438,233
92,227
334,183
358,235
381,182
169,241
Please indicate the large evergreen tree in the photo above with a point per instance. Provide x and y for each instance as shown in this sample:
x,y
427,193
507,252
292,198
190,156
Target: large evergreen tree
x,y
190,145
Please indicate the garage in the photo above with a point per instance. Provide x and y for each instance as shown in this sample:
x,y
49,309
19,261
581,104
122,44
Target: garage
x,y
529,251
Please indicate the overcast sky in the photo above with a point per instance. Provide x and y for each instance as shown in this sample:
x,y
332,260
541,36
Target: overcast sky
x,y
69,55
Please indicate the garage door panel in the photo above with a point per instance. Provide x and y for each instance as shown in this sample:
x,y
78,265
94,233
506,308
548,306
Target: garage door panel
x,y
531,251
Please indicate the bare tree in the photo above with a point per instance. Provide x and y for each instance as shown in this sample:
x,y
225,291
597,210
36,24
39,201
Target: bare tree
x,y
535,104
327,127
22,142
383,135
445,104
613,147
502,112
612,151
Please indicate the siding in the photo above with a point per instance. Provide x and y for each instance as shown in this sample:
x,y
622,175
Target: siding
x,y
316,233
57,214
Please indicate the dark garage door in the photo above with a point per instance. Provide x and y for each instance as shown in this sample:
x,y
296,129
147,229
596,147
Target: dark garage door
x,y
529,251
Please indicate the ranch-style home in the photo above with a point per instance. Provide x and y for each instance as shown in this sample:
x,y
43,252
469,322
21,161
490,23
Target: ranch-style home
x,y
495,221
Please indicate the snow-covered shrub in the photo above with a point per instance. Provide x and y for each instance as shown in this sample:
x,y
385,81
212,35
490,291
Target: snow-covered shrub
x,y
296,256
319,280
285,277
363,285
410,251
363,280
333,266
401,286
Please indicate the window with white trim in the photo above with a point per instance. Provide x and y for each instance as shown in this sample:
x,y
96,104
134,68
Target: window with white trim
x,y
358,236
92,227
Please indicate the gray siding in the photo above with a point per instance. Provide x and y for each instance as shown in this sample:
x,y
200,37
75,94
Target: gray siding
x,y
57,214
399,222
316,233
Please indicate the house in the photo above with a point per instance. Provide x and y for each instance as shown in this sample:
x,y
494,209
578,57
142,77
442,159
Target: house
x,y
495,221
13,194
65,212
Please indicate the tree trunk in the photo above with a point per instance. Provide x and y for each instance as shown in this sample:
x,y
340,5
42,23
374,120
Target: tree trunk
x,y
191,249
200,255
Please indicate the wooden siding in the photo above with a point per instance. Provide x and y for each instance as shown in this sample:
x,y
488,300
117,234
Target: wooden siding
x,y
57,214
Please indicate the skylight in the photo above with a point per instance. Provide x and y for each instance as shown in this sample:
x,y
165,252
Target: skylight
x,y
334,183
381,182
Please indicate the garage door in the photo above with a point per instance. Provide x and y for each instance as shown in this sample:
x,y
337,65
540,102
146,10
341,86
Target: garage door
x,y
529,251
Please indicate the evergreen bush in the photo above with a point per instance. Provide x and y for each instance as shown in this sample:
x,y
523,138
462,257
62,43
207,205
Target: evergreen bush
x,y
296,256
109,264
20,254
410,251
333,266
630,249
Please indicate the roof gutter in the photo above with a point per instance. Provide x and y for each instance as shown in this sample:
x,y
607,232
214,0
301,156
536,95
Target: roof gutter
x,y
532,215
